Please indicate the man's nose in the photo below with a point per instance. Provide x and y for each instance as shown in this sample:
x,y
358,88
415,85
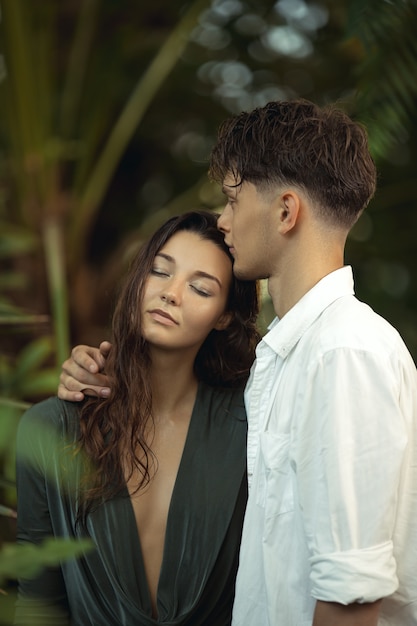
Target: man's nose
x,y
223,222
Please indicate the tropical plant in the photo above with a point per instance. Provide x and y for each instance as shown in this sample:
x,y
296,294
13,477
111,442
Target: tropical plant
x,y
384,34
55,170
107,114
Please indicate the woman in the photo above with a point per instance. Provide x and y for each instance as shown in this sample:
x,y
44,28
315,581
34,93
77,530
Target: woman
x,y
155,474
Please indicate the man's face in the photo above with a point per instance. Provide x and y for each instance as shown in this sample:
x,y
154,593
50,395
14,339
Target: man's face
x,y
246,222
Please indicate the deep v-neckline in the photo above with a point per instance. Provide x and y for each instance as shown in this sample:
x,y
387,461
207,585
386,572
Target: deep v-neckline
x,y
171,507
202,533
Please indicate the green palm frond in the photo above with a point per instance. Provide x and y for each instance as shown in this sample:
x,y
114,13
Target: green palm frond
x,y
385,33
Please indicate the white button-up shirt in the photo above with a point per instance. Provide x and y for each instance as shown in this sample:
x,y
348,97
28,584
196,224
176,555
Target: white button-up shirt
x,y
332,464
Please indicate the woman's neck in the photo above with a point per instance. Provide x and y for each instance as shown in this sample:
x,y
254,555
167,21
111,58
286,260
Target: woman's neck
x,y
174,384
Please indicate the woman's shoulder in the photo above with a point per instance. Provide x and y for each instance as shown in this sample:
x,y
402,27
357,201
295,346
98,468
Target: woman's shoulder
x,y
234,394
51,415
229,399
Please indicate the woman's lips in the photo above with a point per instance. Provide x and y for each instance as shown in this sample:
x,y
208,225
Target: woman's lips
x,y
163,317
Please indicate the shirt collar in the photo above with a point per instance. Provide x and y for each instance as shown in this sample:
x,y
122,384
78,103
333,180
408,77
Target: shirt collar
x,y
285,333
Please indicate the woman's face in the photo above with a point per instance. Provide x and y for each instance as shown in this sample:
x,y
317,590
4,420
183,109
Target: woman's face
x,y
186,293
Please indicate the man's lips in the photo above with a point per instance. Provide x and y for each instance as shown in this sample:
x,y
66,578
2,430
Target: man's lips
x,y
159,315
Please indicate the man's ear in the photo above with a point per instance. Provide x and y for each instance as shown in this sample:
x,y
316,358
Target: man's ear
x,y
289,210
224,320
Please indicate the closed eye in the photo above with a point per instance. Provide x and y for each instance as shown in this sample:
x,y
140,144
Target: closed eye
x,y
157,272
201,292
230,200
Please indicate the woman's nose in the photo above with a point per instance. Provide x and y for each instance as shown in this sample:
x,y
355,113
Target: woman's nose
x,y
172,289
171,297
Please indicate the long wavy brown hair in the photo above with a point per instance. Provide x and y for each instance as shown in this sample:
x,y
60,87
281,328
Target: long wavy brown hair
x,y
121,422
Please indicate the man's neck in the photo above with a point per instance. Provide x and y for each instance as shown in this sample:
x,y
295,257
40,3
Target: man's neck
x,y
291,284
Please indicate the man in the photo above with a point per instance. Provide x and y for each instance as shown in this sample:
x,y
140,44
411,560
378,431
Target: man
x,y
330,533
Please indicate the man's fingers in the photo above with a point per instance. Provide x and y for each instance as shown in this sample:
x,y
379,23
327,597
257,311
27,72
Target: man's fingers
x,y
86,357
73,390
80,374
75,378
71,396
105,348
97,392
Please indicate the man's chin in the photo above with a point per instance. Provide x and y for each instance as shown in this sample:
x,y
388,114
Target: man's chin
x,y
242,273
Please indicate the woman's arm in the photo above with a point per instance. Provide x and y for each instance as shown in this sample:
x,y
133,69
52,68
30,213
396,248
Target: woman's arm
x,y
42,600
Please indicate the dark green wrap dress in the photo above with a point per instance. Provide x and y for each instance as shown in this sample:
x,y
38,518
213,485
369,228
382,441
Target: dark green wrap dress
x,y
107,586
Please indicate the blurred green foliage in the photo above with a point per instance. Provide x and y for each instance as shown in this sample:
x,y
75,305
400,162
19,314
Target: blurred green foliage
x,y
27,561
107,114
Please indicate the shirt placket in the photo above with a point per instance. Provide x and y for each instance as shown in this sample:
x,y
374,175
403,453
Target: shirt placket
x,y
259,400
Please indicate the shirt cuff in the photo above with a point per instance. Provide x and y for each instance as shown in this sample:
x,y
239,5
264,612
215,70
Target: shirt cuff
x,y
354,575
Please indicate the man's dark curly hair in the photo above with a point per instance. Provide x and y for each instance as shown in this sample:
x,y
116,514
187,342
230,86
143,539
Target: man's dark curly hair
x,y
322,151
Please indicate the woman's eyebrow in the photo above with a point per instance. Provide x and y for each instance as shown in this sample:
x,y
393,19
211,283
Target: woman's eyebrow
x,y
209,276
166,256
198,273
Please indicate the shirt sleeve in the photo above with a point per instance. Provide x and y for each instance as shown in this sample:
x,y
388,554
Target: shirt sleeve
x,y
350,443
41,600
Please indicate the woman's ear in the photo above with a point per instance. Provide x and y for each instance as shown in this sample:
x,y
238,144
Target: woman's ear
x,y
224,320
